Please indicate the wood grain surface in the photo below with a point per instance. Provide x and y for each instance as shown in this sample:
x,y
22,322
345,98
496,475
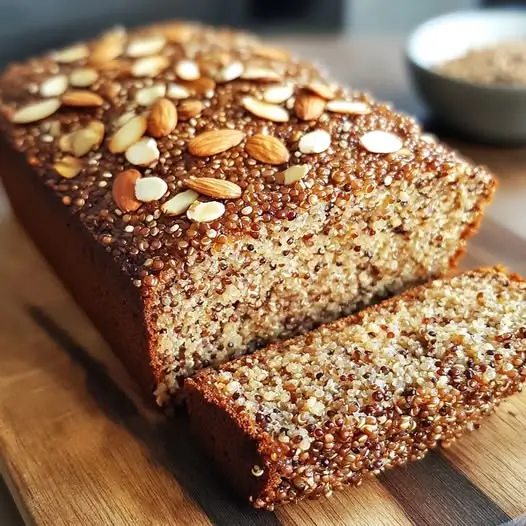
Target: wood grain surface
x,y
78,445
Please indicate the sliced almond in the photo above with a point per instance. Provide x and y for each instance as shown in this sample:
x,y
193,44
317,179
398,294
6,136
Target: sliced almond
x,y
143,152
379,141
214,142
205,212
128,134
83,77
292,174
54,86
267,149
149,189
107,49
64,143
178,33
211,187
202,86
320,89
316,141
271,52
149,66
162,119
82,98
123,190
124,118
147,96
86,139
187,70
348,107
309,107
146,45
264,110
189,109
260,74
71,54
230,72
176,91
278,94
179,204
35,111
68,167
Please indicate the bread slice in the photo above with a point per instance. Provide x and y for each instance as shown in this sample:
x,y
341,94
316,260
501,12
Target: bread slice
x,y
366,393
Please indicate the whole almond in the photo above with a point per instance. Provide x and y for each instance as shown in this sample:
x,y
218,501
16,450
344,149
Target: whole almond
x,y
267,149
162,119
35,111
128,134
189,109
107,49
81,98
123,190
211,187
68,167
309,107
214,142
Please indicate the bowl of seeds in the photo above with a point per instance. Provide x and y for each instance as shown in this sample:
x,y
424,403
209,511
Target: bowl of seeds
x,y
469,68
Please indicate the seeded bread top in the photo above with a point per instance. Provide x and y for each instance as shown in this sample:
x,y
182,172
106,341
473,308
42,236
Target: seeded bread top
x,y
176,138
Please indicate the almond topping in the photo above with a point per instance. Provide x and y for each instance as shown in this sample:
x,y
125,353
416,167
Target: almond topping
x,y
147,96
124,118
144,46
217,188
176,91
83,77
54,86
379,141
123,190
187,70
316,141
84,140
71,54
292,174
267,149
35,111
162,119
309,107
178,33
68,167
272,53
179,204
205,212
189,109
264,110
260,74
149,189
149,66
278,94
128,134
322,90
230,72
107,49
81,98
214,142
348,107
143,152
203,86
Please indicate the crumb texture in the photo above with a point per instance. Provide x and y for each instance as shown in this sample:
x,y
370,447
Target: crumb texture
x,y
377,389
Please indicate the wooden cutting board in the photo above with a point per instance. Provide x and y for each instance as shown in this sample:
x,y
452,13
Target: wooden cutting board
x,y
79,446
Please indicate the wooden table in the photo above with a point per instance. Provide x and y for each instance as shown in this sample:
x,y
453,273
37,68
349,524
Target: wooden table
x,y
104,426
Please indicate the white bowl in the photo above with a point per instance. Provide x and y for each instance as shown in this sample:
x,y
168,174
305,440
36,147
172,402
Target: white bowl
x,y
495,113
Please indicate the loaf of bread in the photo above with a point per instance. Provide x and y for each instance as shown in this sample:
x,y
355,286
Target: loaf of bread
x,y
365,393
202,194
